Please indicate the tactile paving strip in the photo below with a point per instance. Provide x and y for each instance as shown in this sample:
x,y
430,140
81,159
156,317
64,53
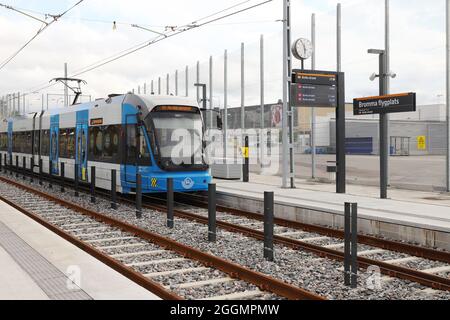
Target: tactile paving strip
x,y
51,280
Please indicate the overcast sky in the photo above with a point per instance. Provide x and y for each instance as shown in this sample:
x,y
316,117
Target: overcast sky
x,y
86,36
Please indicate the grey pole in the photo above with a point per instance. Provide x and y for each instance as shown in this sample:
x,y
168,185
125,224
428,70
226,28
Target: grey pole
x,y
167,84
66,90
24,104
145,88
176,82
225,99
383,125
261,73
42,102
242,90
339,38
139,89
18,103
152,87
387,80
159,85
211,105
187,81
313,110
448,90
198,80
288,151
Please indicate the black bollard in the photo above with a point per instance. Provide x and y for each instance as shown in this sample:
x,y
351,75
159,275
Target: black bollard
x,y
114,189
92,184
50,174
246,165
63,176
11,165
40,172
24,167
138,196
212,205
354,260
32,169
351,245
268,225
17,166
170,222
75,179
347,242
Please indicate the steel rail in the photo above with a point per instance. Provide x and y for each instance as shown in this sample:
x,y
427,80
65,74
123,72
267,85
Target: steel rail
x,y
400,272
260,280
390,245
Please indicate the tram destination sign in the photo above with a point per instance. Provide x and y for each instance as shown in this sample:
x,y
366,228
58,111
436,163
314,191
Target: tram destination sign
x,y
394,103
313,88
311,95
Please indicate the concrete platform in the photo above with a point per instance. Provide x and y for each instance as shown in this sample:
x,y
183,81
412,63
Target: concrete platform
x,y
35,264
413,216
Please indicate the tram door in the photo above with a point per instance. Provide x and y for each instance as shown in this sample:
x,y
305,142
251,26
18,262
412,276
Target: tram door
x,y
54,147
82,151
131,148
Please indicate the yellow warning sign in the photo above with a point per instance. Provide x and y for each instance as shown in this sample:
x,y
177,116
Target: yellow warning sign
x,y
422,143
245,152
154,182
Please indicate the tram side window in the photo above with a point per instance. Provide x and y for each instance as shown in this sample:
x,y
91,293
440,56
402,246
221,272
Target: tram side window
x,y
96,143
63,143
131,144
45,146
70,151
111,144
144,154
36,141
27,142
3,141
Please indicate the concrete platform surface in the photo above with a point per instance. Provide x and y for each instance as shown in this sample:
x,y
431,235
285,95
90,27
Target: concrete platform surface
x,y
316,196
98,281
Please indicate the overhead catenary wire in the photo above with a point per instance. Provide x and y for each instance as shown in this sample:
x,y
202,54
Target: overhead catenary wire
x,y
147,43
41,30
169,35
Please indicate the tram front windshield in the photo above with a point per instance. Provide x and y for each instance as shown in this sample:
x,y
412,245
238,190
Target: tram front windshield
x,y
177,139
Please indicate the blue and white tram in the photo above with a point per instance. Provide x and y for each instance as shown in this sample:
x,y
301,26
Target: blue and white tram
x,y
159,137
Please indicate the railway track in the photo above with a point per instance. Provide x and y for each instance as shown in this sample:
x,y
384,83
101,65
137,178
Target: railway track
x,y
291,235
394,259
169,269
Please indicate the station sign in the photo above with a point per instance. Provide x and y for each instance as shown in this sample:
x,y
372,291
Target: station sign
x,y
311,88
394,103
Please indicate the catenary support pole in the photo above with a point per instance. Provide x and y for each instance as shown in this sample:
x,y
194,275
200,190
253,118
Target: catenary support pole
x,y
262,141
242,91
313,110
387,50
211,105
225,106
448,91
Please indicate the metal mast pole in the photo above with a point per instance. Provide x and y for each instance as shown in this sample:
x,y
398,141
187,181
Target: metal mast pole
x,y
338,38
167,84
66,90
211,91
387,80
448,91
225,101
176,82
242,92
187,81
313,110
198,80
288,151
384,146
261,61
